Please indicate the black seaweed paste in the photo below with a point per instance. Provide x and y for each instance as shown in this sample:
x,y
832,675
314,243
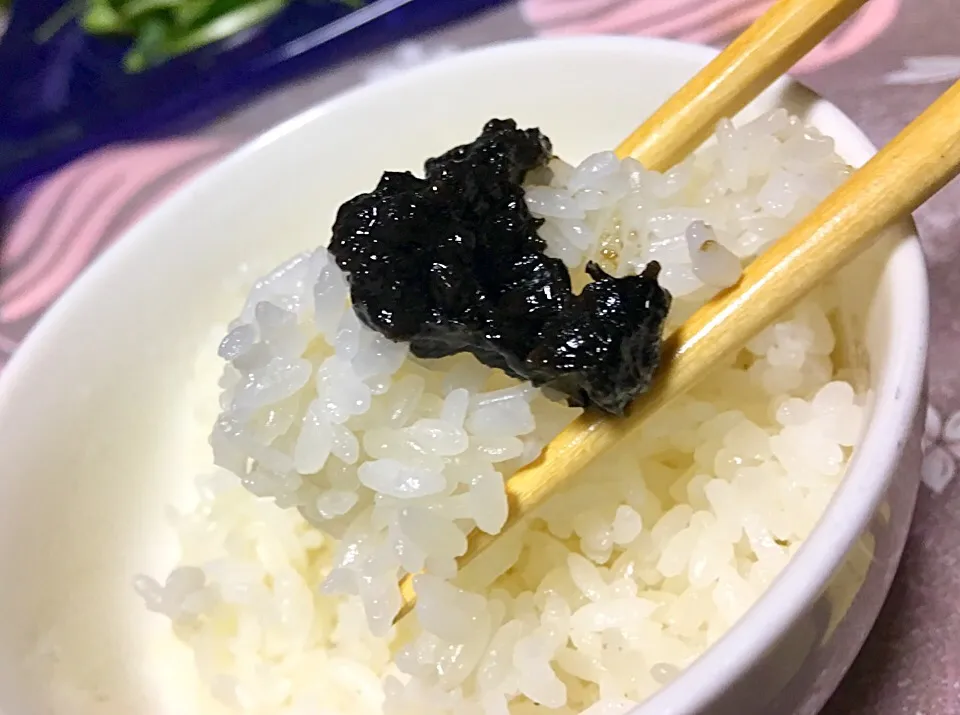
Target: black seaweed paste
x,y
452,263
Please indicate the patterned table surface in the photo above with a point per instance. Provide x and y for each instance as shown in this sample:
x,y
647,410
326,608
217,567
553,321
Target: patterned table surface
x,y
882,69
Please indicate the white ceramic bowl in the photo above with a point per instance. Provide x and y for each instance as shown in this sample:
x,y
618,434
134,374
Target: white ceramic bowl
x,y
94,415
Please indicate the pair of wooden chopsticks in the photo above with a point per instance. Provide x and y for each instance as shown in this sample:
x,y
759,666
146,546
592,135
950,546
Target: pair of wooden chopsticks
x,y
903,175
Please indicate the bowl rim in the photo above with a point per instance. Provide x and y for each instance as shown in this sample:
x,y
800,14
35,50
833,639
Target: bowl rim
x,y
872,468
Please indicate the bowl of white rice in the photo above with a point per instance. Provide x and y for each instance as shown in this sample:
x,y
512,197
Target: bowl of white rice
x,y
215,474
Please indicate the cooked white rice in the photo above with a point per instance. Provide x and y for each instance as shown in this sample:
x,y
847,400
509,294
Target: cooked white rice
x,y
358,463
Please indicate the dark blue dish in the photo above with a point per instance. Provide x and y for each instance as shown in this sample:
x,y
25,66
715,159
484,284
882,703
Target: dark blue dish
x,y
71,94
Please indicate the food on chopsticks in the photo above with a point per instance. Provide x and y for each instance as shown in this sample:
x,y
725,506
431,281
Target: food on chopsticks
x,y
376,396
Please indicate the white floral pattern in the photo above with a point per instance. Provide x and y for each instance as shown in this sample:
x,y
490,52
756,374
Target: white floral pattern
x,y
406,56
931,69
941,449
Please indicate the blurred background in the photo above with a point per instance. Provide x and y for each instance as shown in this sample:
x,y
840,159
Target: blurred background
x,y
106,106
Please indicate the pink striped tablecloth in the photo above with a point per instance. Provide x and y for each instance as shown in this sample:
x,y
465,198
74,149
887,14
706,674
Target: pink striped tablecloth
x,y
882,68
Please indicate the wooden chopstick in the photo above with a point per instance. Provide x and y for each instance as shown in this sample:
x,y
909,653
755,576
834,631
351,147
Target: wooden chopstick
x,y
766,50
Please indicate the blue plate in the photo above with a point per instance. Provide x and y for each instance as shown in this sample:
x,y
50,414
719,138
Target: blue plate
x,y
71,94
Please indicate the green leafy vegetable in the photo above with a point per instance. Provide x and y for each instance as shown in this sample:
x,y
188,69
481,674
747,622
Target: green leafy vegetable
x,y
164,29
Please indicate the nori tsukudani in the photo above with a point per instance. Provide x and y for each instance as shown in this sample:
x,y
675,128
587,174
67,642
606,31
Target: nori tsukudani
x,y
452,263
